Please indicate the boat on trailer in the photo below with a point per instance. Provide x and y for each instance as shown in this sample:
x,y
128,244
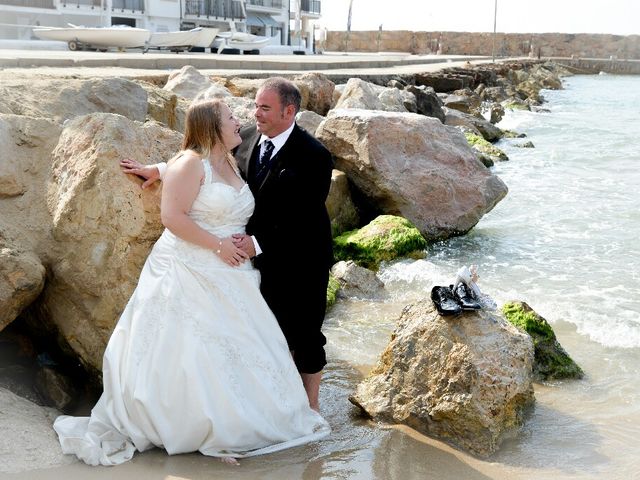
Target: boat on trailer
x,y
78,37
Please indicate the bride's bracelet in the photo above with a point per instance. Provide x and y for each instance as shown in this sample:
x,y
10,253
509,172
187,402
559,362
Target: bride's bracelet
x,y
219,248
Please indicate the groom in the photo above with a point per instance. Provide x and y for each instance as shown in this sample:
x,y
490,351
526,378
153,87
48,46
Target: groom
x,y
289,233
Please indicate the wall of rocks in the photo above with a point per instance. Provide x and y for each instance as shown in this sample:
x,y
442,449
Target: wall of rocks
x,y
476,43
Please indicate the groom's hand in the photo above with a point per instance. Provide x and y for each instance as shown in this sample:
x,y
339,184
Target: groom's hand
x,y
149,172
244,243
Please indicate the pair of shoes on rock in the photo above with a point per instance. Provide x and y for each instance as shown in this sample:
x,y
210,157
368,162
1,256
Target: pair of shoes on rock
x,y
453,301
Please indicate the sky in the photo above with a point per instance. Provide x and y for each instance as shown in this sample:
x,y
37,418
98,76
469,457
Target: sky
x,y
620,17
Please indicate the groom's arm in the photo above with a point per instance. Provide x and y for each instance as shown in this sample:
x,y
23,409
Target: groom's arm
x,y
151,173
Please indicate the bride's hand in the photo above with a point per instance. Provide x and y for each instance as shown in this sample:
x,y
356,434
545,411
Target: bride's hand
x,y
231,254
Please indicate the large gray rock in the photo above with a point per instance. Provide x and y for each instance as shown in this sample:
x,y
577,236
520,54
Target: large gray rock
x,y
356,281
316,90
187,82
364,95
103,225
63,99
486,129
309,120
466,380
412,166
21,280
427,101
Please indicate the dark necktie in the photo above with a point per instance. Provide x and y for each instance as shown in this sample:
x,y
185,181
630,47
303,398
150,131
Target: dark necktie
x,y
264,161
266,155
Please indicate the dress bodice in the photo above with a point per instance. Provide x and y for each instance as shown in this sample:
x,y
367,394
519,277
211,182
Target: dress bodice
x,y
220,208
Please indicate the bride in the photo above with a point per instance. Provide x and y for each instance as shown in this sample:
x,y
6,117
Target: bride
x,y
197,361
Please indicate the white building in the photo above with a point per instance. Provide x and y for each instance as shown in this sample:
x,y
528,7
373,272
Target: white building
x,y
273,18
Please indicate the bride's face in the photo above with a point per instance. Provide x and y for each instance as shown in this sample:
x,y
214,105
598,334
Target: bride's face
x,y
229,127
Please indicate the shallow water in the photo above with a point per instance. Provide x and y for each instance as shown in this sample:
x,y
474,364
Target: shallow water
x,y
565,241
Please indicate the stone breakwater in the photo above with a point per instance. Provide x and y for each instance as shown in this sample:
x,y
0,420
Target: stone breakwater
x,y
538,45
75,231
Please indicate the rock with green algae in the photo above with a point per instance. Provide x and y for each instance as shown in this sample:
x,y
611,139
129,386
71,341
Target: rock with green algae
x,y
387,237
551,361
332,290
480,144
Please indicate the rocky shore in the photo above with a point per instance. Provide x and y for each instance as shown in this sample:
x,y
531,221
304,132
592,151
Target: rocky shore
x,y
75,231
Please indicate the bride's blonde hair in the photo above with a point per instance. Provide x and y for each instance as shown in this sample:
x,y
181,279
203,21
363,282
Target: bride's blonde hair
x,y
203,130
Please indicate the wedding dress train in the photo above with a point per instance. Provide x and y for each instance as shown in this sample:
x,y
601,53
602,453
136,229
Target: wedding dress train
x,y
197,361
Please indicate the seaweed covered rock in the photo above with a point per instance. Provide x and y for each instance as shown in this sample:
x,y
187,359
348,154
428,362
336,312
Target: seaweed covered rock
x,y
551,362
481,145
466,380
387,237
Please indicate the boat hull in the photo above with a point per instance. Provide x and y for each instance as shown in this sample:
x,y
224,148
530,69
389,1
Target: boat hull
x,y
97,37
197,37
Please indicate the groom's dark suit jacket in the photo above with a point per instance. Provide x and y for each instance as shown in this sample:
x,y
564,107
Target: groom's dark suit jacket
x,y
292,227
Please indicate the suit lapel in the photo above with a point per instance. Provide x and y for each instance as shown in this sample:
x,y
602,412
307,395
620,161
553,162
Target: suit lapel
x,y
279,158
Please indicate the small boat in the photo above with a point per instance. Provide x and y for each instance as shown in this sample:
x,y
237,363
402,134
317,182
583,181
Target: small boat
x,y
240,41
197,37
78,37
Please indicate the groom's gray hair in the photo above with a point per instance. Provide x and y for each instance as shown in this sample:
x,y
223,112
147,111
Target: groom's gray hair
x,y
286,90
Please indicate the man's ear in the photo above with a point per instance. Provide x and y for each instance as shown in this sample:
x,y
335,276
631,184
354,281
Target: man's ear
x,y
291,111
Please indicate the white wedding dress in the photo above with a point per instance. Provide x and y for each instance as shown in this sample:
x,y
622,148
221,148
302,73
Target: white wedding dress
x,y
197,361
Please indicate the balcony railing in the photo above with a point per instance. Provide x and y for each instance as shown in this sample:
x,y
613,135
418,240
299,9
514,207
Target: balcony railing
x,y
310,6
29,3
267,3
132,5
213,8
78,3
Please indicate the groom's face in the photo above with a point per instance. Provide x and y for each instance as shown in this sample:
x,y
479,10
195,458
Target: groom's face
x,y
272,118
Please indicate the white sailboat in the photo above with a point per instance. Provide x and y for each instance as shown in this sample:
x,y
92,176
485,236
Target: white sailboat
x,y
197,37
77,37
240,40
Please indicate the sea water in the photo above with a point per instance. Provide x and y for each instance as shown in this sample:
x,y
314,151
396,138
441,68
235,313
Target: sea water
x,y
565,239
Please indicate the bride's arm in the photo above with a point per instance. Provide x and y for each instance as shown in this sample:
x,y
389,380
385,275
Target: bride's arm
x,y
180,187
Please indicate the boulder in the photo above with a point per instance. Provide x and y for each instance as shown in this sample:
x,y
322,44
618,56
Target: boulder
x,y
187,82
103,225
463,101
342,211
356,281
61,99
316,90
165,107
386,238
551,362
241,107
243,87
465,380
27,145
56,389
22,278
427,102
368,96
485,148
484,128
28,441
309,120
412,166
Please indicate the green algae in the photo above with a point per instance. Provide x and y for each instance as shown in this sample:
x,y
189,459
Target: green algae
x,y
386,238
481,145
332,290
551,361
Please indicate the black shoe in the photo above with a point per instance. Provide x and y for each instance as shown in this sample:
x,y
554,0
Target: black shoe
x,y
465,297
445,301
